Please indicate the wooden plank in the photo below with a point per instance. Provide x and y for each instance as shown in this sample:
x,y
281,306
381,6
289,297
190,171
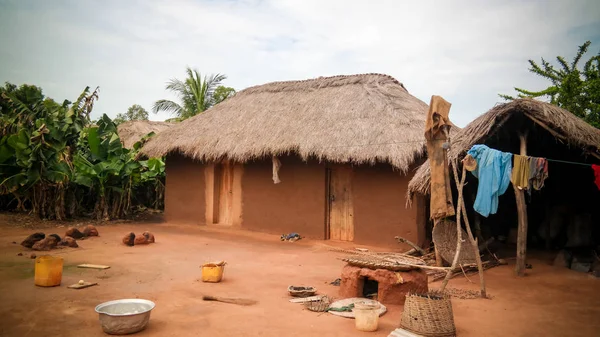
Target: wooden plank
x,y
334,211
236,194
226,193
209,193
327,234
522,215
306,299
93,266
216,187
82,286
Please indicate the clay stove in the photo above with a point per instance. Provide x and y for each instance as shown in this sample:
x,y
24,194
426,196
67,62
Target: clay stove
x,y
390,286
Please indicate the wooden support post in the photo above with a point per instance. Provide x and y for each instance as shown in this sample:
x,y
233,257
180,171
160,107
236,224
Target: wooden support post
x,y
438,257
473,240
522,215
458,232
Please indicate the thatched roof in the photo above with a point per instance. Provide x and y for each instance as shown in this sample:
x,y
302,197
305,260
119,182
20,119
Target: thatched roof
x,y
561,124
358,118
133,131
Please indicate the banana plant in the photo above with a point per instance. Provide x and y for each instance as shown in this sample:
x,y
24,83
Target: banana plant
x,y
51,155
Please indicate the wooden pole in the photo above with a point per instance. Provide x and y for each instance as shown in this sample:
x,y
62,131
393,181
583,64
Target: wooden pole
x,y
458,232
522,215
473,240
438,257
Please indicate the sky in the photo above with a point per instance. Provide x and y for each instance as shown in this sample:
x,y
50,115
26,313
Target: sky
x,y
466,51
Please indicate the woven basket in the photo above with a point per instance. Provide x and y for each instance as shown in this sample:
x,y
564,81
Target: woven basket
x,y
320,305
428,315
444,238
302,291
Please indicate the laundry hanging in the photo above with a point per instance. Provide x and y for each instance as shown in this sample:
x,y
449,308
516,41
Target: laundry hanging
x,y
493,170
596,169
538,172
521,171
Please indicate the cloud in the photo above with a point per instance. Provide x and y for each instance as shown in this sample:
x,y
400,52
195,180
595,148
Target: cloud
x,y
466,51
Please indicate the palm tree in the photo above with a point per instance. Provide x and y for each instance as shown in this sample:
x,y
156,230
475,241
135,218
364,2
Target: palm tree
x,y
196,94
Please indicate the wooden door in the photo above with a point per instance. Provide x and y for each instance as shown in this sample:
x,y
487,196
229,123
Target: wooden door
x,y
223,196
341,224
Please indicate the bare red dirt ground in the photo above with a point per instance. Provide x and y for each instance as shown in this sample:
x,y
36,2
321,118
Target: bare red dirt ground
x,y
548,302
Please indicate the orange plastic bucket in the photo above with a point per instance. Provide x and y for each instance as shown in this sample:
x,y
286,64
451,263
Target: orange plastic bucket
x,y
48,271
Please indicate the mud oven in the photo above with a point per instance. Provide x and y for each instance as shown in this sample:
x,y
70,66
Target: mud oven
x,y
382,277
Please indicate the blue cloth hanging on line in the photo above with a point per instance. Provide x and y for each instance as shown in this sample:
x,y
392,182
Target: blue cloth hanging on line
x,y
493,171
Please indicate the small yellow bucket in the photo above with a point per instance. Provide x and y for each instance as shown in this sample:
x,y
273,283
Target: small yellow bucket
x,y
48,271
213,272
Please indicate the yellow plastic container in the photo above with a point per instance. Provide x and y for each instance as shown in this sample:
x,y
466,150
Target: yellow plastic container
x,y
48,271
212,272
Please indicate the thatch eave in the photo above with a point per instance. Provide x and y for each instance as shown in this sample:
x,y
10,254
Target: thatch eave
x,y
357,119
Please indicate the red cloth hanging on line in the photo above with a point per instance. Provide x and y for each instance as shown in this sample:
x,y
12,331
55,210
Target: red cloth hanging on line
x,y
596,169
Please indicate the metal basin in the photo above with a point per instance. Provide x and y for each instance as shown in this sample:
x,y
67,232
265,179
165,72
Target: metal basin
x,y
123,317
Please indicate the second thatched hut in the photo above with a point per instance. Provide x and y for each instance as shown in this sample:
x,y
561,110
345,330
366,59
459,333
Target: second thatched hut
x,y
132,132
563,213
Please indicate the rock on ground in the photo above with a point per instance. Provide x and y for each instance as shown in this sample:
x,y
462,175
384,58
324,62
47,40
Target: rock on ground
x,y
90,230
32,239
45,244
69,242
74,233
56,236
149,236
141,240
129,239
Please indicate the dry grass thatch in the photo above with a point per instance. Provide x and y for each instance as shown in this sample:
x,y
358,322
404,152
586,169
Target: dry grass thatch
x,y
133,131
358,118
562,124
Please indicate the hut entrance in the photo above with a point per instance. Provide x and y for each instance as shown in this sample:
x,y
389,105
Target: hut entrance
x,y
225,193
341,224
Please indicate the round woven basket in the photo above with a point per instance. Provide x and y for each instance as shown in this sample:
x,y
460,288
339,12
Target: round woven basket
x,y
428,315
444,238
319,305
302,291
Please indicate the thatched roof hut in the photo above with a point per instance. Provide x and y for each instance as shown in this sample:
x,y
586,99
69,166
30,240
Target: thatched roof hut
x,y
364,118
133,131
500,122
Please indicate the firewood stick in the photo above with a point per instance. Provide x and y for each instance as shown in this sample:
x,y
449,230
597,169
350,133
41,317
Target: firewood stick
x,y
240,301
412,244
465,274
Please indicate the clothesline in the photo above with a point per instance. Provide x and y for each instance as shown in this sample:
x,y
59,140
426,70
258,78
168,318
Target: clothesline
x,y
568,162
496,170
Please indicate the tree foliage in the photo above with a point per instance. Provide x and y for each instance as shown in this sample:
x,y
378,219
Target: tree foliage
x,y
575,90
134,113
196,94
57,164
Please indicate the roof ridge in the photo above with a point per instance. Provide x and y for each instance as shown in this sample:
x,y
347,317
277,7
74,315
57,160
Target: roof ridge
x,y
327,78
